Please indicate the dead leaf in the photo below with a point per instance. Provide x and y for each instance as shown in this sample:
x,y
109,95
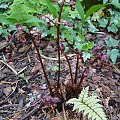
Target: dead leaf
x,y
3,45
23,49
96,78
36,68
117,91
7,90
21,91
106,101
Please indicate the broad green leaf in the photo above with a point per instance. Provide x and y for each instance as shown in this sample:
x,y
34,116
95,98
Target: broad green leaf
x,y
115,19
80,9
116,4
104,1
92,28
52,8
112,42
93,9
65,14
4,6
34,21
4,19
103,22
85,47
11,28
112,28
114,53
108,52
90,45
86,56
1,30
74,14
117,1
78,46
81,37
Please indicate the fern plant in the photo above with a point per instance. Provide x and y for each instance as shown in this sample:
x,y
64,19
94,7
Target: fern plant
x,y
25,11
89,105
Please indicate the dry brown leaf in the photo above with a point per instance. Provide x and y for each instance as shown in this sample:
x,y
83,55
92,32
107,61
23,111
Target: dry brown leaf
x,y
7,90
106,101
96,78
36,68
21,91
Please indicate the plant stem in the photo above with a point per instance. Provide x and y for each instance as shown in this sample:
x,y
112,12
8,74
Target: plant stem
x,y
69,68
82,78
76,73
58,40
40,59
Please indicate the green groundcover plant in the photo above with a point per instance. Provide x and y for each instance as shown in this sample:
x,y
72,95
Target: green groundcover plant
x,y
59,21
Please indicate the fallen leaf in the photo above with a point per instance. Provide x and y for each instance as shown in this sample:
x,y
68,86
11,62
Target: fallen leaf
x,y
7,90
96,78
36,68
21,91
106,101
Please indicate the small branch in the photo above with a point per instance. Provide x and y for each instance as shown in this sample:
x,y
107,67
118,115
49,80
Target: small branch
x,y
64,114
22,70
12,91
9,67
32,112
56,59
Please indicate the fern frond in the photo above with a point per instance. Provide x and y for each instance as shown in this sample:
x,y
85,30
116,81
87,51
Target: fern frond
x,y
89,105
23,9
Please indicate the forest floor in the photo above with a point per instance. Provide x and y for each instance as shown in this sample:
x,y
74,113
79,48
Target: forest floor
x,y
20,94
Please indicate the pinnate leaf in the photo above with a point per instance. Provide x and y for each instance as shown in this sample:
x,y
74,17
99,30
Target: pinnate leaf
x,y
89,105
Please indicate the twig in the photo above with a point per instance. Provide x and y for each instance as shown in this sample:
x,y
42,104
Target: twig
x,y
22,70
9,67
16,73
12,91
56,59
63,107
36,108
9,105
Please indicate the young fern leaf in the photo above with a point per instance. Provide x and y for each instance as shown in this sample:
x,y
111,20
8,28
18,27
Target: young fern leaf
x,y
89,105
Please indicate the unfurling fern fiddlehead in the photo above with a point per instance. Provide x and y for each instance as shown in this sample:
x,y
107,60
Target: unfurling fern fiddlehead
x,y
89,105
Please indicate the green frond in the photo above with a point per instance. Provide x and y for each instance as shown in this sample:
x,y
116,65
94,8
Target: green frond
x,y
89,105
84,93
22,10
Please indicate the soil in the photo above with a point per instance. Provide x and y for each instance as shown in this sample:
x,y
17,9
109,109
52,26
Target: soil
x,y
20,94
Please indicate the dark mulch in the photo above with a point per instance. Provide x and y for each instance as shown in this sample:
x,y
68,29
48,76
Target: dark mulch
x,y
20,96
